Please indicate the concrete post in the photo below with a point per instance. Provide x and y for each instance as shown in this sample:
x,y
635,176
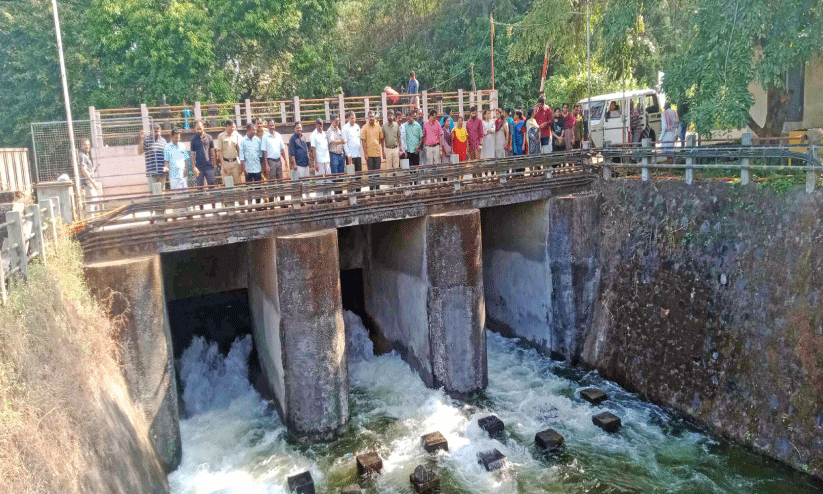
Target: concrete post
x,y
282,112
37,243
50,213
237,119
341,107
17,243
811,175
366,108
198,115
133,290
296,109
144,115
424,290
745,140
294,291
460,103
328,111
690,143
493,100
249,116
425,105
644,172
479,100
384,103
607,167
471,99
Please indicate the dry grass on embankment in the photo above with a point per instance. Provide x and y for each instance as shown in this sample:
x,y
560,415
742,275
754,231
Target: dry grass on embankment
x,y
67,424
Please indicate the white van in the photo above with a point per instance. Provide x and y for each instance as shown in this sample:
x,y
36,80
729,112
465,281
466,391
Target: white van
x,y
614,126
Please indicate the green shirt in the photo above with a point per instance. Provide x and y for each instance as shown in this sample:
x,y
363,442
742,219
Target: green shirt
x,y
391,135
414,134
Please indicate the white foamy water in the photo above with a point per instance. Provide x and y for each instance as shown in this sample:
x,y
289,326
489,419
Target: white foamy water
x,y
232,445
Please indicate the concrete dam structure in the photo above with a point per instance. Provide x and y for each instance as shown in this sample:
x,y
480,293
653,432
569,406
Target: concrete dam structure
x,y
430,285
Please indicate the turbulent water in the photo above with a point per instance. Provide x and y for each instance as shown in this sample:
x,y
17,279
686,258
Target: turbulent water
x,y
231,444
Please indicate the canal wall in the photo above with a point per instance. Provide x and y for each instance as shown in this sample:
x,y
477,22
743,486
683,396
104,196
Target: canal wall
x,y
711,302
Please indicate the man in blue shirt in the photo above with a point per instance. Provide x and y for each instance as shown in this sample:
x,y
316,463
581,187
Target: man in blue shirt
x,y
250,152
413,88
175,158
299,152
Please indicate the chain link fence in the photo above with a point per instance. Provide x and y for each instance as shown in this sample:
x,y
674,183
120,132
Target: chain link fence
x,y
113,151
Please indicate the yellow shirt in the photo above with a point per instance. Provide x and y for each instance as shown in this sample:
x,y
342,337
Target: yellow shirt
x,y
461,134
372,134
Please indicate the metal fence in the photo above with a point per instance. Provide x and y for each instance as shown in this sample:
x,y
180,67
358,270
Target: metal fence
x,y
14,170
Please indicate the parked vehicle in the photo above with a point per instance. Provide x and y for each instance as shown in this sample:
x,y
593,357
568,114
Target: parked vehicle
x,y
610,114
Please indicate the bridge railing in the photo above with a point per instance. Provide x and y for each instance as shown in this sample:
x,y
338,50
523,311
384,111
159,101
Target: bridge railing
x,y
738,158
24,239
353,190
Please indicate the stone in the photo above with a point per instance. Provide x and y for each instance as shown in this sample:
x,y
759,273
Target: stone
x,y
593,396
549,441
491,460
492,425
351,489
424,481
607,421
435,441
369,463
302,483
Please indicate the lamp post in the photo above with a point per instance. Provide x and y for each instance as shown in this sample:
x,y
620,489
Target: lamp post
x,y
77,190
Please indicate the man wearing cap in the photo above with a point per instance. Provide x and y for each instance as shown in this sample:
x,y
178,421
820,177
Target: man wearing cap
x,y
391,141
320,149
228,149
274,153
336,141
153,147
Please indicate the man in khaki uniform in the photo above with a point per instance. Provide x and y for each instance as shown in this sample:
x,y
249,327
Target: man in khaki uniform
x,y
391,141
228,147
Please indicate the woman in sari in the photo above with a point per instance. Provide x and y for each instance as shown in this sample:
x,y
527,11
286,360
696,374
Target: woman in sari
x,y
487,147
460,140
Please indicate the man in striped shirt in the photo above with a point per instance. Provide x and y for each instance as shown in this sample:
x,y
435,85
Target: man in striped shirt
x,y
153,148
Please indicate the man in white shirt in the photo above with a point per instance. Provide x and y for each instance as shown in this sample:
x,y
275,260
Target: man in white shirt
x,y
175,158
320,150
351,137
274,153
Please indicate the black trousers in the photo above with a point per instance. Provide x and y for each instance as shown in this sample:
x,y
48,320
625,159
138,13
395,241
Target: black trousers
x,y
358,164
414,159
373,163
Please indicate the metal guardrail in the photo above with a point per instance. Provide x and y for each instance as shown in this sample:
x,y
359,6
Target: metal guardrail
x,y
24,247
210,212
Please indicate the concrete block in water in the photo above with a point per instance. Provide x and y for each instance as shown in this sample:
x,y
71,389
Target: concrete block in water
x,y
549,441
492,425
607,421
491,460
351,489
434,441
594,396
369,463
424,481
301,483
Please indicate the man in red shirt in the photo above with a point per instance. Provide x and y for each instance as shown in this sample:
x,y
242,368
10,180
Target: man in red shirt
x,y
474,127
433,137
543,116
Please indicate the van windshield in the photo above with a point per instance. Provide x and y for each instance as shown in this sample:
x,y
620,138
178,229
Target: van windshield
x,y
597,109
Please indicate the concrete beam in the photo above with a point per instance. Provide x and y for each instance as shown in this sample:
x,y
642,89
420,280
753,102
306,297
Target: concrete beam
x,y
541,271
294,293
424,290
134,291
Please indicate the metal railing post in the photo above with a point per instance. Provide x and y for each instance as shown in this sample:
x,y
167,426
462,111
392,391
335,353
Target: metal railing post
x,y
745,140
691,139
37,243
17,244
811,175
644,172
607,168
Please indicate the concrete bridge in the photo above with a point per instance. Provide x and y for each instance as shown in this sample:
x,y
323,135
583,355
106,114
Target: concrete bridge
x,y
439,253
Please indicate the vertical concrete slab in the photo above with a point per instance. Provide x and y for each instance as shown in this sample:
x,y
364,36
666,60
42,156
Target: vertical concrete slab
x,y
424,291
298,323
455,301
133,290
541,271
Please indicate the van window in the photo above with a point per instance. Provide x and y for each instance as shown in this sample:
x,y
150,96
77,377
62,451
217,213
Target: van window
x,y
597,109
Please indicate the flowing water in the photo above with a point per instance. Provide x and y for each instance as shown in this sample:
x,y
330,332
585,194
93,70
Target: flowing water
x,y
232,444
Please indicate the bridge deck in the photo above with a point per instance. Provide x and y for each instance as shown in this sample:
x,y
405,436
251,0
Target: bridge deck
x,y
201,218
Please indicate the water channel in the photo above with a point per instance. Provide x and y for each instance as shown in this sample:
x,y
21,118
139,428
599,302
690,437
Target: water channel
x,y
233,443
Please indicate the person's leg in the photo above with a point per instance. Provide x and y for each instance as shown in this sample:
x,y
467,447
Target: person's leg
x,y
302,171
358,164
393,158
374,162
200,179
325,168
414,159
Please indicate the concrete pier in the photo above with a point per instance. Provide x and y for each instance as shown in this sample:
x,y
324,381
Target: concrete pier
x,y
294,293
423,288
541,271
133,291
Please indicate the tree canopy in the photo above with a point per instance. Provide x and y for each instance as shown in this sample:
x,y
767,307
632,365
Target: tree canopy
x,y
126,52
